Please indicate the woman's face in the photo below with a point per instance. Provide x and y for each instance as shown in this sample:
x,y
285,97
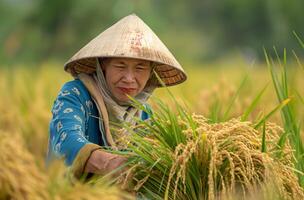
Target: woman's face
x,y
126,76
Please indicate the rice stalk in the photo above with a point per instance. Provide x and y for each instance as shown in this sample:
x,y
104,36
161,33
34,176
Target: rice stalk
x,y
289,116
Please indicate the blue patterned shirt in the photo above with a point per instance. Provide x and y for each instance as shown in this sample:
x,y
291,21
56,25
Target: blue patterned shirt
x,y
75,122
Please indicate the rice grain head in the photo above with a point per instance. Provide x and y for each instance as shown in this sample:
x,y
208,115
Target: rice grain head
x,y
221,160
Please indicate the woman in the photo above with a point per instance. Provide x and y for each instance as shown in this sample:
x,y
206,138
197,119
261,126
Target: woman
x,y
118,63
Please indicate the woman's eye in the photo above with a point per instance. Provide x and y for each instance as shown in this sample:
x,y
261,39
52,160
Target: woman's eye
x,y
140,68
119,66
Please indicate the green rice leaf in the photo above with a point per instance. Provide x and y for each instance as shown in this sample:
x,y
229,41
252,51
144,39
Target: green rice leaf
x,y
299,39
253,104
278,107
227,112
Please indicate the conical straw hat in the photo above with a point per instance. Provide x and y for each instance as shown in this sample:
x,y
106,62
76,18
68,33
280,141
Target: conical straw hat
x,y
130,37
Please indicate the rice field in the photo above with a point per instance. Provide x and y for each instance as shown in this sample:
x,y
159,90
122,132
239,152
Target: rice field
x,y
222,134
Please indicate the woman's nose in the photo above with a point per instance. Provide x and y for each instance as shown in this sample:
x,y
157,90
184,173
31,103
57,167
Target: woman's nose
x,y
129,76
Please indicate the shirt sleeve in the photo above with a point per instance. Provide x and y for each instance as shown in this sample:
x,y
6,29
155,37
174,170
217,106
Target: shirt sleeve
x,y
67,126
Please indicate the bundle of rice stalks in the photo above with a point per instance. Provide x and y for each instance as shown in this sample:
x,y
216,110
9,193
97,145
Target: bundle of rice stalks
x,y
20,178
186,157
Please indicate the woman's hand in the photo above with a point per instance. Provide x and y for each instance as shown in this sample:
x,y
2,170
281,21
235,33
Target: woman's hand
x,y
101,162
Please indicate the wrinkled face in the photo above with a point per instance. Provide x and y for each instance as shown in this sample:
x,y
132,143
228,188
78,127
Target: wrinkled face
x,y
126,76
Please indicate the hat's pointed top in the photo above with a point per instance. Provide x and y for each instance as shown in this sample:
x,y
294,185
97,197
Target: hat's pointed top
x,y
130,37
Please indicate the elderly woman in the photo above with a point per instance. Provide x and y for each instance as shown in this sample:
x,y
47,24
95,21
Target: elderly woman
x,y
118,63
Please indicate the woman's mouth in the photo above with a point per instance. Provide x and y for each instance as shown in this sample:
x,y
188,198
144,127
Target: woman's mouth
x,y
127,90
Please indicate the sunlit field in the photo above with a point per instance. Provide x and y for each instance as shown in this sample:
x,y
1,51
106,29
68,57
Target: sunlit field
x,y
219,91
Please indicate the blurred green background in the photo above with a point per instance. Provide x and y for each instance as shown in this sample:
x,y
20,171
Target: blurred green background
x,y
38,31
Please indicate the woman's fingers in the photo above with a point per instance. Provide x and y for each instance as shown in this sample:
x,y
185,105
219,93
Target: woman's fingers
x,y
101,162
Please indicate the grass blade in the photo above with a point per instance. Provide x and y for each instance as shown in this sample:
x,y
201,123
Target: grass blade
x,y
299,39
253,104
278,107
234,97
297,59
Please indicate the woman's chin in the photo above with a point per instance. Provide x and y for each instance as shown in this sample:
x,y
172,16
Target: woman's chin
x,y
123,98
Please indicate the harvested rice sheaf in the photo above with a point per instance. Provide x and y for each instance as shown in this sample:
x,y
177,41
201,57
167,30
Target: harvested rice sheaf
x,y
190,158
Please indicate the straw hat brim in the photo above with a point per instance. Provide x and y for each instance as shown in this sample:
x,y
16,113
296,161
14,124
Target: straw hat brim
x,y
169,75
130,37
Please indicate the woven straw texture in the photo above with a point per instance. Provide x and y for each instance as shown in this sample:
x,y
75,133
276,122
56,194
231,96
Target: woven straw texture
x,y
130,37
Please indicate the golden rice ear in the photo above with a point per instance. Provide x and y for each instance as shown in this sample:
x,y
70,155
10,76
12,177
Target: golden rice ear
x,y
20,177
130,37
